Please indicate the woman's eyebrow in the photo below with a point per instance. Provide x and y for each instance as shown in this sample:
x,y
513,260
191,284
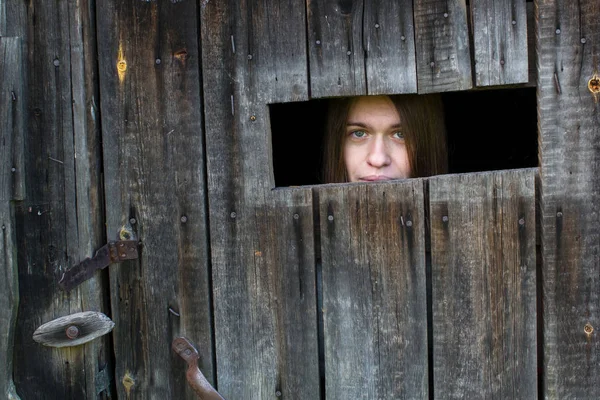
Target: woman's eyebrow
x,y
363,125
352,123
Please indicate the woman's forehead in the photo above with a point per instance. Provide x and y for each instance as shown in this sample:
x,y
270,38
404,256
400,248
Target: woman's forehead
x,y
372,107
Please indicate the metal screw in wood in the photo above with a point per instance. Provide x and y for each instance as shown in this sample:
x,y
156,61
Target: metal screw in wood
x,y
72,332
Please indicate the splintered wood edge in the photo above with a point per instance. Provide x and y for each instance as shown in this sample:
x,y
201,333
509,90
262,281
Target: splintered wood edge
x,y
83,327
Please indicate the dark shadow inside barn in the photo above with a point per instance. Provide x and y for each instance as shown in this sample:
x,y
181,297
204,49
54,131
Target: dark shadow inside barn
x,y
486,130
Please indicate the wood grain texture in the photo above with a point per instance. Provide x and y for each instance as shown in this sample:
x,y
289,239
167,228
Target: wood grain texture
x,y
11,129
568,43
74,329
12,119
54,228
499,41
484,285
388,30
374,296
155,191
262,257
335,43
13,18
442,45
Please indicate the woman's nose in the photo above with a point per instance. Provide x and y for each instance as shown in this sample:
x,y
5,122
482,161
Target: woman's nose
x,y
378,154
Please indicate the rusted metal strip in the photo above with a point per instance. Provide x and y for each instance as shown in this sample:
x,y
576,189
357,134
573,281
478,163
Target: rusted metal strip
x,y
113,252
196,379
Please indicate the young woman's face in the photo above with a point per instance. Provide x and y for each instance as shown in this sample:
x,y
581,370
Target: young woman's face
x,y
374,147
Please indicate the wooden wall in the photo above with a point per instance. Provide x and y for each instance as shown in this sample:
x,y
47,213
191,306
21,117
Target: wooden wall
x,y
151,119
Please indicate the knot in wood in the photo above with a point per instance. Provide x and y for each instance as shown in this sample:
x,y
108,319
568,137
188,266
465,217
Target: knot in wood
x,y
72,332
122,66
181,55
588,329
594,85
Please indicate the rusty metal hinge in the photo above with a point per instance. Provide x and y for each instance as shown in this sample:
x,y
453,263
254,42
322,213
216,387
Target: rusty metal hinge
x,y
113,252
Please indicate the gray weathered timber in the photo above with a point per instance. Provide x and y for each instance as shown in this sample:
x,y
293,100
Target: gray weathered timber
x,y
499,42
74,329
484,285
442,45
388,30
155,191
374,296
262,244
531,52
54,228
11,129
335,42
13,16
568,43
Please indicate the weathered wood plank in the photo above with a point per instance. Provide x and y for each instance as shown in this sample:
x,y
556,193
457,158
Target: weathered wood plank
x,y
73,330
484,291
374,296
499,41
13,18
442,45
11,129
262,257
55,229
335,42
155,191
390,47
568,43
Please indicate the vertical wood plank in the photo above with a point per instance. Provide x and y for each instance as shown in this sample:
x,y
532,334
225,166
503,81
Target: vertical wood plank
x,y
155,191
390,47
335,42
13,18
262,257
54,228
374,296
499,41
11,129
568,43
442,43
484,294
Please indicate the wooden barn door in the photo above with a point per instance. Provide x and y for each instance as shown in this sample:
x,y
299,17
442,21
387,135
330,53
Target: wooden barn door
x,y
423,288
322,292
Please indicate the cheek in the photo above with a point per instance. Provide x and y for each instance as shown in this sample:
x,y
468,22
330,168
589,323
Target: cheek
x,y
401,160
349,155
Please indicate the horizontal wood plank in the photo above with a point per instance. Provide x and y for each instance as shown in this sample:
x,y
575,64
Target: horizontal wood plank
x,y
74,329
374,297
484,291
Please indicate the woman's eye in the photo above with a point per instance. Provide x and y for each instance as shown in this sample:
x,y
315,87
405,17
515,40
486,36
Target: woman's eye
x,y
359,134
398,135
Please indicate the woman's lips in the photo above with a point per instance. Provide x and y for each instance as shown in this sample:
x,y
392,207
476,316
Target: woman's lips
x,y
373,178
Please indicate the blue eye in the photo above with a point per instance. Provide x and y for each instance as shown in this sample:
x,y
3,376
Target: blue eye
x,y
398,135
359,134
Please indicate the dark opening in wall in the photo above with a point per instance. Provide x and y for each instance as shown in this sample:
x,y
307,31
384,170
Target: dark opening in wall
x,y
486,130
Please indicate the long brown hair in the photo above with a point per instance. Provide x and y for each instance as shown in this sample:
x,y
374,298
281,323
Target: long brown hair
x,y
422,119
